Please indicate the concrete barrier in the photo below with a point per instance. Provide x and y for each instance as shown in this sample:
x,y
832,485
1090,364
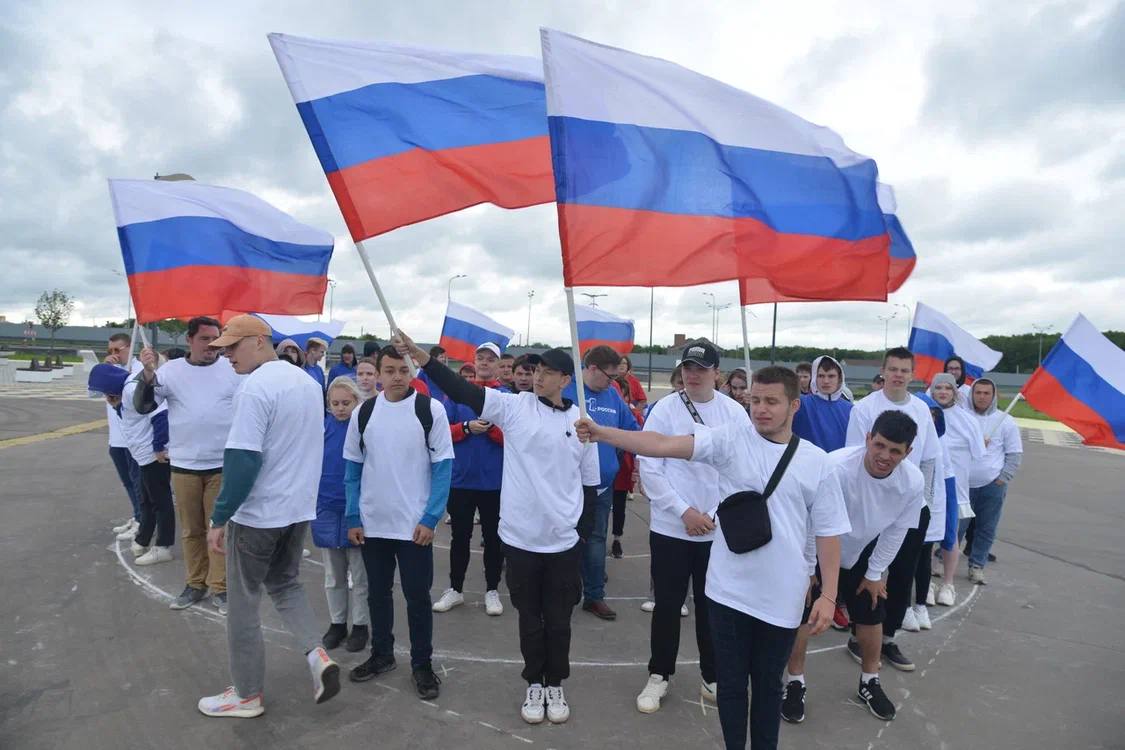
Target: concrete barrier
x,y
34,376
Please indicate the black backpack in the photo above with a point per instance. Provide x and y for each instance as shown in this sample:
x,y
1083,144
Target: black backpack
x,y
421,411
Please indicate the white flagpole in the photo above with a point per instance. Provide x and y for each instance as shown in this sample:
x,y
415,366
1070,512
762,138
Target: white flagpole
x,y
1008,410
382,300
132,344
745,340
578,384
144,336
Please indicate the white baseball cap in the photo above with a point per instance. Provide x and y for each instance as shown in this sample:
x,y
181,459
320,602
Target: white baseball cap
x,y
490,347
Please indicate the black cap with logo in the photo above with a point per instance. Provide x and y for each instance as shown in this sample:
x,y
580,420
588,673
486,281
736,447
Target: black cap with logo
x,y
556,359
702,354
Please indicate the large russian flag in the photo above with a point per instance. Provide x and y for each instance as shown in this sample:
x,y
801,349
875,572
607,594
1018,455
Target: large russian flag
x,y
665,177
597,327
191,249
1081,383
405,134
465,329
935,338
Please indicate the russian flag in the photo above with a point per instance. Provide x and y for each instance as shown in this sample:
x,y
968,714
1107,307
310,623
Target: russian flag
x,y
292,327
935,338
597,327
405,134
1081,383
465,329
191,249
665,177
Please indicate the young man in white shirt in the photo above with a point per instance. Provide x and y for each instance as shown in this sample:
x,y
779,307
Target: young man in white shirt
x,y
271,472
898,372
546,504
198,390
883,496
683,497
397,484
757,596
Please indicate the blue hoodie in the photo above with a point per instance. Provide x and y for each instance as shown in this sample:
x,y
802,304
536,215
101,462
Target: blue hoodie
x,y
329,529
608,409
479,459
823,418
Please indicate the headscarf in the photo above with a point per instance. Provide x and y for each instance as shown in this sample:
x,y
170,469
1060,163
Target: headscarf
x,y
947,379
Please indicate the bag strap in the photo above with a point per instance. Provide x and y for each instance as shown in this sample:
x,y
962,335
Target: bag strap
x,y
690,407
365,410
421,411
782,465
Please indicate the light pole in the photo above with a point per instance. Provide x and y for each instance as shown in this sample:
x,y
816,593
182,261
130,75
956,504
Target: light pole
x,y
332,298
908,311
128,294
715,336
712,306
530,294
593,298
1041,330
887,327
449,286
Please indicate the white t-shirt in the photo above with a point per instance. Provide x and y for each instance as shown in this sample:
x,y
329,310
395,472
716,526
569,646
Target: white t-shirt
x,y
868,409
116,436
395,486
136,428
1003,437
886,508
545,468
769,583
673,485
965,443
279,412
199,410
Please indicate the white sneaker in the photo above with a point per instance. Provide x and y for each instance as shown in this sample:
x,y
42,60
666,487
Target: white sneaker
x,y
129,526
922,615
449,599
976,575
229,704
648,702
946,595
305,553
930,601
137,549
155,555
534,705
683,610
558,710
648,606
910,621
709,691
325,674
492,605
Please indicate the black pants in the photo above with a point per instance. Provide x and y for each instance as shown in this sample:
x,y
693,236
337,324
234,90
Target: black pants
x,y
620,497
415,565
749,650
157,510
674,563
922,573
544,587
463,504
900,575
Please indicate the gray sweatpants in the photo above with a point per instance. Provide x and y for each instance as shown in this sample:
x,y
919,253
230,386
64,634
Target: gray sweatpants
x,y
342,602
270,558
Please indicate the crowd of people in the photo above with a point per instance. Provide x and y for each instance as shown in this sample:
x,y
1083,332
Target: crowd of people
x,y
780,502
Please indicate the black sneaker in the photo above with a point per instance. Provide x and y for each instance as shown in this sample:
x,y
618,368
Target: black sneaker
x,y
854,651
893,654
793,703
357,639
991,557
372,668
336,634
615,549
880,706
190,596
426,683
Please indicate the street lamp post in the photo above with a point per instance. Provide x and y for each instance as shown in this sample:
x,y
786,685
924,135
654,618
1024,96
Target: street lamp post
x,y
128,294
530,294
593,298
331,298
449,286
887,327
1041,330
715,332
908,311
712,306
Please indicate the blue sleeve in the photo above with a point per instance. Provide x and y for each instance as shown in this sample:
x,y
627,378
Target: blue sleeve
x,y
801,425
440,474
160,431
353,471
240,470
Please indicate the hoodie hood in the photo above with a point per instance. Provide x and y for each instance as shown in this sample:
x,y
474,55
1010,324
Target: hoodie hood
x,y
936,412
995,395
290,342
947,379
841,393
107,379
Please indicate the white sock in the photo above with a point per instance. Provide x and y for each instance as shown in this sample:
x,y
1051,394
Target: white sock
x,y
536,685
864,677
787,678
313,657
887,639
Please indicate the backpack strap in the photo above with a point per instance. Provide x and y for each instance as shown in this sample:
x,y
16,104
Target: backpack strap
x,y
365,410
425,416
782,465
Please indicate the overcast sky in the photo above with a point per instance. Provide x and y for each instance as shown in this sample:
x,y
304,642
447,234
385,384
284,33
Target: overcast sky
x,y
1001,125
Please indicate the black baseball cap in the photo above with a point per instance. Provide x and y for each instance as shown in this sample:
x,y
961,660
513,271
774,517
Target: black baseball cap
x,y
556,359
702,354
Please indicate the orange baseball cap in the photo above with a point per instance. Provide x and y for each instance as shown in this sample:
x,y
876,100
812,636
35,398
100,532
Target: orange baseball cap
x,y
241,326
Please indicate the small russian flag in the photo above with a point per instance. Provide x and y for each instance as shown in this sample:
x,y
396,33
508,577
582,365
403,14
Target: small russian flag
x,y
596,327
465,329
935,338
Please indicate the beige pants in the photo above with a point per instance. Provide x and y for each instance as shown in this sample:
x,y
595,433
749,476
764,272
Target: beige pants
x,y
195,500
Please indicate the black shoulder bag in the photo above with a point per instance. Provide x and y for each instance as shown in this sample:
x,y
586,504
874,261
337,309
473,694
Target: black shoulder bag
x,y
745,517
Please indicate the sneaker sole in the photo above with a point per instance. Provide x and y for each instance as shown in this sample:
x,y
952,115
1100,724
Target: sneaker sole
x,y
900,667
871,710
240,713
531,720
446,609
176,605
373,675
562,720
330,683
494,614
791,720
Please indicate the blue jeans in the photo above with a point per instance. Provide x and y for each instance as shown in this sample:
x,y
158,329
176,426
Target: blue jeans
x,y
987,502
130,475
593,557
748,650
416,574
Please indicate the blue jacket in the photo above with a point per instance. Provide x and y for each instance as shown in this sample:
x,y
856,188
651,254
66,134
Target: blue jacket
x,y
339,369
823,423
316,374
329,529
479,459
608,409
435,391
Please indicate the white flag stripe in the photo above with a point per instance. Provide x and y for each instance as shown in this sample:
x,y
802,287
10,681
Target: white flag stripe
x,y
1084,339
477,318
586,313
964,343
290,325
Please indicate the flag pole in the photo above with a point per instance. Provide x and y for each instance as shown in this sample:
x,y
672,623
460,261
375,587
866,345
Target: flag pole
x,y
773,338
382,300
579,386
745,340
651,309
1007,411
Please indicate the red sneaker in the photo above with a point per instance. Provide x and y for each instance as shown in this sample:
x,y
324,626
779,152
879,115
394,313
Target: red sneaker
x,y
840,618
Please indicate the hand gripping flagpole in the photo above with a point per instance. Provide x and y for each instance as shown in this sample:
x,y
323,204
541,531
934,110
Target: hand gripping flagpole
x,y
382,300
579,386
